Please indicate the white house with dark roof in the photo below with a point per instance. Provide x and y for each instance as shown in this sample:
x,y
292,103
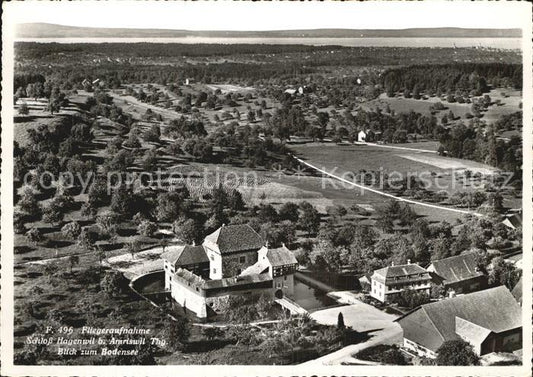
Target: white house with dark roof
x,y
231,249
192,258
282,266
490,320
392,280
233,260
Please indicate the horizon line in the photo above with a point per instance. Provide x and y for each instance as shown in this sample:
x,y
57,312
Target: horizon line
x,y
267,30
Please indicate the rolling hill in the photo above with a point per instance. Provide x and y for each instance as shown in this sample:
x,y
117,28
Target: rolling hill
x,y
44,30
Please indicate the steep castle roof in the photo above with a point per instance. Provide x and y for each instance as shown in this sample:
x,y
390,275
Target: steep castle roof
x,y
235,238
185,255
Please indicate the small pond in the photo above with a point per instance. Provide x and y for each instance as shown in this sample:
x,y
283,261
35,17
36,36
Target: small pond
x,y
310,298
150,283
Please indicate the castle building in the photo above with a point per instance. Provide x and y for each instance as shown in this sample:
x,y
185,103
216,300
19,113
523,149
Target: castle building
x,y
233,260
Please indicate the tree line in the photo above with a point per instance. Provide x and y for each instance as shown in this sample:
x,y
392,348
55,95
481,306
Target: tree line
x,y
465,78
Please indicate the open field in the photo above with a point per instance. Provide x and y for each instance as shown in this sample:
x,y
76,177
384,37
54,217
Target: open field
x,y
446,163
226,88
139,264
351,159
509,104
424,145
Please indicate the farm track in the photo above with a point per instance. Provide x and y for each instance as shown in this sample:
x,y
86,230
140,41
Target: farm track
x,y
415,202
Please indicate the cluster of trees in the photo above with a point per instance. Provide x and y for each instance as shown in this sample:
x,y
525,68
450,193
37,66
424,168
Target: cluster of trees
x,y
244,144
53,149
388,126
293,119
383,354
462,78
35,86
101,104
243,310
456,352
395,213
350,246
410,298
481,143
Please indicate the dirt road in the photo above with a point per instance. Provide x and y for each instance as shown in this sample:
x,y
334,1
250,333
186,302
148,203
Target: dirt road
x,y
363,318
415,202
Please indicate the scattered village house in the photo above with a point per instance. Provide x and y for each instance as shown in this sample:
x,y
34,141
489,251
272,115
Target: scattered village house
x,y
365,282
513,221
300,91
459,274
366,136
490,320
231,261
517,291
390,281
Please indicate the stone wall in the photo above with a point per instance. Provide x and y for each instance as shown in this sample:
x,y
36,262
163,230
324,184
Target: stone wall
x,y
189,297
232,265
220,303
285,283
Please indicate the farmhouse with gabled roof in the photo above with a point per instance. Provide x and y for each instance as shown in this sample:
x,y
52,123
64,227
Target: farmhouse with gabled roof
x,y
459,273
490,320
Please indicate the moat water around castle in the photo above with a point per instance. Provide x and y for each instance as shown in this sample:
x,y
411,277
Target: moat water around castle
x,y
311,298
307,297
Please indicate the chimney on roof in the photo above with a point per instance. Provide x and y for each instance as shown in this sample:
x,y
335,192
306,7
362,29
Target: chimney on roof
x,y
408,261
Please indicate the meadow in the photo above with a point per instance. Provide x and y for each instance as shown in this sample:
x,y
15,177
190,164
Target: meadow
x,y
506,101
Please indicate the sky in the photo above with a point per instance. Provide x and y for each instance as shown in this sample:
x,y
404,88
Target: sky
x,y
227,15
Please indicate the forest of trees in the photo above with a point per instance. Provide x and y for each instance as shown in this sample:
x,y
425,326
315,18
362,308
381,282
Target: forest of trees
x,y
459,78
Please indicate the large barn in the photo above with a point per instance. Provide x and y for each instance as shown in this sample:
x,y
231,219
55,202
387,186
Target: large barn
x,y
490,320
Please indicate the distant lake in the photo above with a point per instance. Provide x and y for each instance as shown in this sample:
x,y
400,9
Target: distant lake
x,y
501,43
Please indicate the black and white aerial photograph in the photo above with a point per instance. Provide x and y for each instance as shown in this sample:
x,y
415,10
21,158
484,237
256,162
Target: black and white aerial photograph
x,y
299,187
